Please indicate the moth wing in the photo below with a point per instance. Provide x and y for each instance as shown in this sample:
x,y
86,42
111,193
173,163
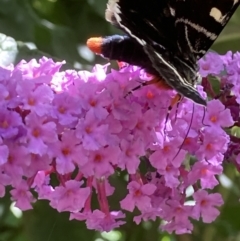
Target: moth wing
x,y
196,29
153,25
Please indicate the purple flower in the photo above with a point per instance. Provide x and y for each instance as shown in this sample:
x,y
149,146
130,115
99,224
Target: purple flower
x,y
177,216
37,100
4,152
84,128
92,132
10,122
94,100
8,87
149,214
138,196
213,145
204,172
131,151
99,221
22,196
40,133
67,151
211,63
41,72
218,115
70,197
66,109
37,163
205,205
99,162
17,160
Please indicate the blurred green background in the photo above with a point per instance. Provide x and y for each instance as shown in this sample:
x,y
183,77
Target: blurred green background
x,y
60,28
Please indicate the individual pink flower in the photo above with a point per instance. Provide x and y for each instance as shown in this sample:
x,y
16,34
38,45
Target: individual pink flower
x,y
206,205
18,159
211,63
131,151
179,227
146,215
205,172
213,145
218,115
10,123
66,109
67,151
4,152
37,100
100,221
40,133
94,100
22,196
70,197
99,163
8,86
177,216
138,196
37,163
92,133
41,72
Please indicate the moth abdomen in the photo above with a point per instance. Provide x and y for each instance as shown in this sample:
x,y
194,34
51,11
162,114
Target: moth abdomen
x,y
122,48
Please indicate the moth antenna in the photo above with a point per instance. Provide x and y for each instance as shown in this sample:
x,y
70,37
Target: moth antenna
x,y
160,83
178,103
175,101
188,130
204,114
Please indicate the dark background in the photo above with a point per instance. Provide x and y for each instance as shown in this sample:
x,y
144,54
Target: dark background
x,y
60,28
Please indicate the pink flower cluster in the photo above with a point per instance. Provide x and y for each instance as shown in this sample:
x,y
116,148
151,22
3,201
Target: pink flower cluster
x,y
85,127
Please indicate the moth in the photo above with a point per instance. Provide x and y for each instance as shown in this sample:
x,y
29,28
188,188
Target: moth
x,y
165,37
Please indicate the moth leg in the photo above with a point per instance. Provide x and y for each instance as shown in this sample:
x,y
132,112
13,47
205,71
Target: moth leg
x,y
160,84
174,101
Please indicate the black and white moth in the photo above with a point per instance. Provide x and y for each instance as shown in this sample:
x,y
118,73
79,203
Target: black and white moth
x,y
169,36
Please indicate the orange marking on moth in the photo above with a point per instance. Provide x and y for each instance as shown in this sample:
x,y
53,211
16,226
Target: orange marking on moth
x,y
121,64
95,44
175,99
160,83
